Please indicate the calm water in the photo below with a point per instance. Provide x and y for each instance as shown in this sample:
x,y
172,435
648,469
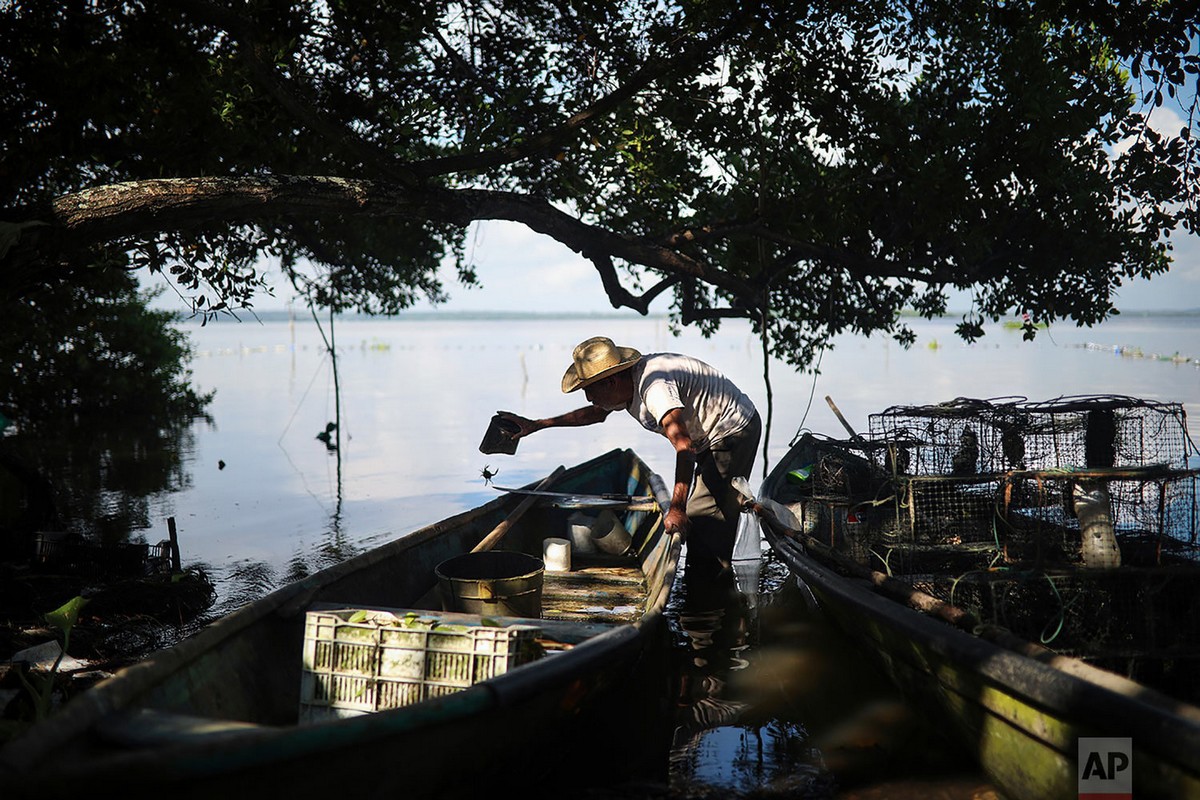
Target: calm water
x,y
769,697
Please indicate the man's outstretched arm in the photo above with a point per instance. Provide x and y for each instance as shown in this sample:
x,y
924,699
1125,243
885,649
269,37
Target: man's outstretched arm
x,y
588,415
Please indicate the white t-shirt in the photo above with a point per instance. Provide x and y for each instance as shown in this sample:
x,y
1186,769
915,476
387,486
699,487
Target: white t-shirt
x,y
714,407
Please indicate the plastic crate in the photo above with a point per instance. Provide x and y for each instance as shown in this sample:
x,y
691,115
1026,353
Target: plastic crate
x,y
358,661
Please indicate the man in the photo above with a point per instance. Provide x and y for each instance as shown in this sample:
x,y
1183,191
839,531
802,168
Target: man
x,y
710,422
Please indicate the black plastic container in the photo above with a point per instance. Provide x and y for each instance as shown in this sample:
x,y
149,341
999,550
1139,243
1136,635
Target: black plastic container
x,y
501,437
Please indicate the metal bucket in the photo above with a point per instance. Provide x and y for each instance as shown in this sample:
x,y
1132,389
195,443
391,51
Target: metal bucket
x,y
492,583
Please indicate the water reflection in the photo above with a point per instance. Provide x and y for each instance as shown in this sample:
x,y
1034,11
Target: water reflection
x,y
772,701
723,745
335,546
243,582
95,479
714,621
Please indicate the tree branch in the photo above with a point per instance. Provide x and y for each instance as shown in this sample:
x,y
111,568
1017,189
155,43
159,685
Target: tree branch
x,y
618,295
464,68
141,208
856,264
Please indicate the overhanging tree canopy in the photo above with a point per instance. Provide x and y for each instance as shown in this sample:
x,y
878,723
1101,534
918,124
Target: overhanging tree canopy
x,y
813,167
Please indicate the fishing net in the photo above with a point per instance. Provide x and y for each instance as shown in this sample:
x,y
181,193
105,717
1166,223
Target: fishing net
x,y
1072,523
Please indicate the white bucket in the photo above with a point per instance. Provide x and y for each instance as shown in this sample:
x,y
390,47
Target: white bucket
x,y
557,554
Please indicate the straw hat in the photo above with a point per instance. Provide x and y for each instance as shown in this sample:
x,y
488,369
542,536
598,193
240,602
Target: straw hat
x,y
594,359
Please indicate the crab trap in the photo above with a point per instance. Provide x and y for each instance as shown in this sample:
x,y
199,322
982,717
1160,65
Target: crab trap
x,y
1072,523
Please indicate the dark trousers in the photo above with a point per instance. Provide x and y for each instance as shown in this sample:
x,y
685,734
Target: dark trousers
x,y
713,504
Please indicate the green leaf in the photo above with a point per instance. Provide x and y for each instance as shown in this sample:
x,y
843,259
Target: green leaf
x,y
65,616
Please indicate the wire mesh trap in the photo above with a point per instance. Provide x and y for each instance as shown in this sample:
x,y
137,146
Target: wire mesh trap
x,y
1073,523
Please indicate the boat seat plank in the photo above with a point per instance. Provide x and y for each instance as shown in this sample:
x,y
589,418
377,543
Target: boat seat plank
x,y
594,613
597,594
624,578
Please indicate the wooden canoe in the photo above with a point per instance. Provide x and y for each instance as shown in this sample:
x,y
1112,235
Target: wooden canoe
x,y
1018,707
219,712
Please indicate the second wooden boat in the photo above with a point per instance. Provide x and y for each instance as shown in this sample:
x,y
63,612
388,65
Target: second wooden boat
x,y
960,562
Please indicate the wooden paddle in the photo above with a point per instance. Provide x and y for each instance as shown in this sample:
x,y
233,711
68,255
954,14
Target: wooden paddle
x,y
430,598
837,412
489,541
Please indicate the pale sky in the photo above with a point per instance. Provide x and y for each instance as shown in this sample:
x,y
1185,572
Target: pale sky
x,y
520,269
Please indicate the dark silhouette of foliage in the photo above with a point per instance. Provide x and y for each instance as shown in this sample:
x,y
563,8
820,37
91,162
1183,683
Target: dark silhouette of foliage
x,y
814,167
96,398
93,349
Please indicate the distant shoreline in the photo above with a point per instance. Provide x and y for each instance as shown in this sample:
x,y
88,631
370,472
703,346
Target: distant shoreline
x,y
283,315
303,315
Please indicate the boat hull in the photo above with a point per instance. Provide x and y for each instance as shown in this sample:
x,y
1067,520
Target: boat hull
x,y
1018,709
220,709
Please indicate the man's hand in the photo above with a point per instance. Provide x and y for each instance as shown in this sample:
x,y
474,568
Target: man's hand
x,y
525,426
676,521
